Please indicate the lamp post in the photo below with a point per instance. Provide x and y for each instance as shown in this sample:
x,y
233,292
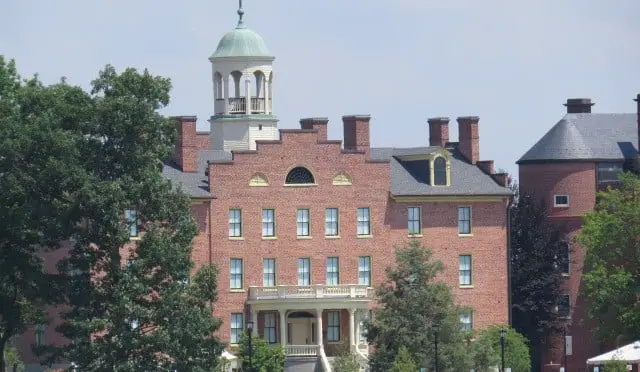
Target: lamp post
x,y
249,332
436,330
503,339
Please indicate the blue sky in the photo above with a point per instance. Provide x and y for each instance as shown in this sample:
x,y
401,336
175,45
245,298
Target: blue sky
x,y
513,63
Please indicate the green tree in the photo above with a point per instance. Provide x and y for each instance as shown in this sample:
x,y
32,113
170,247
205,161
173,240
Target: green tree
x,y
615,366
12,360
345,362
145,315
536,276
264,357
611,275
40,173
488,350
403,362
413,306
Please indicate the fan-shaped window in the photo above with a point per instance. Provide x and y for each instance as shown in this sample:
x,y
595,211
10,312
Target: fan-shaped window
x,y
299,175
342,179
258,179
440,171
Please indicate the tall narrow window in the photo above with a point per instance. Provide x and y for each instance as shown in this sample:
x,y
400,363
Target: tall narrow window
x,y
366,315
440,171
413,220
465,270
331,222
333,271
131,216
564,306
270,327
364,223
236,327
304,272
564,258
40,339
464,220
269,272
236,274
235,223
466,321
333,326
303,222
268,223
364,270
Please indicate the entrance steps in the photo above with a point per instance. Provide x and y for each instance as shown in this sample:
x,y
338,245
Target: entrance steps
x,y
302,364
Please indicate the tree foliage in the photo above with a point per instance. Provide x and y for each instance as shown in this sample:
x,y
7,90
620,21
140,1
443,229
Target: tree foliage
x,y
264,357
40,175
615,366
413,306
12,360
403,362
345,362
536,276
611,275
487,350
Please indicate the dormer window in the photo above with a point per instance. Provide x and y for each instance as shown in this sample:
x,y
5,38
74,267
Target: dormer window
x,y
299,176
440,171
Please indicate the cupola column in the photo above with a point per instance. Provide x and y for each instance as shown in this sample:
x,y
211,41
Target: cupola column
x,y
225,78
247,90
267,106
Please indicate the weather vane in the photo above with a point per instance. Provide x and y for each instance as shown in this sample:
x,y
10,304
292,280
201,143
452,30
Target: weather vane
x,y
241,14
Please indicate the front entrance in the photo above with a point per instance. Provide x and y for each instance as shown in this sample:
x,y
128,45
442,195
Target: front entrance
x,y
301,329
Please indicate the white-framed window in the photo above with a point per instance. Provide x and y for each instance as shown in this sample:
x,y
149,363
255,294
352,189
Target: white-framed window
x,y
333,326
270,327
237,324
564,306
235,223
465,270
269,272
40,334
366,315
414,220
331,222
464,220
364,270
440,171
466,321
304,271
364,221
131,217
561,200
268,223
303,222
333,271
235,276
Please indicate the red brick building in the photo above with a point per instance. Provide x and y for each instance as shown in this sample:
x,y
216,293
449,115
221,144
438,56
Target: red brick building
x,y
581,154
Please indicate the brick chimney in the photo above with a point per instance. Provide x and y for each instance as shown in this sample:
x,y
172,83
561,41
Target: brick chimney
x,y
486,166
438,131
319,124
356,133
186,152
469,138
579,105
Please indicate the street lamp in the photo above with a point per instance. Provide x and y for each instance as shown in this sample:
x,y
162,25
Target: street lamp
x,y
249,332
503,340
436,330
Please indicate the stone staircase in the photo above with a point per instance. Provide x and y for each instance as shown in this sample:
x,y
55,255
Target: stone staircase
x,y
302,364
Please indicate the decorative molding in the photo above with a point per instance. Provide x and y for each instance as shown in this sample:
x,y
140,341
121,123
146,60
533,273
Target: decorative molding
x,y
259,180
448,198
342,179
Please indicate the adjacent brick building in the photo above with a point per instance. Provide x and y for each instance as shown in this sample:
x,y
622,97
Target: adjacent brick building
x,y
581,154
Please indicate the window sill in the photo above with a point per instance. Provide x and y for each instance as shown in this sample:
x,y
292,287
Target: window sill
x,y
236,238
364,236
334,342
304,237
565,275
269,238
469,286
465,235
135,238
332,236
415,235
237,290
562,206
300,185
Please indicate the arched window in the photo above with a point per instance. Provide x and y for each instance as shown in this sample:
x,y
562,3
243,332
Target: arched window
x,y
440,171
299,175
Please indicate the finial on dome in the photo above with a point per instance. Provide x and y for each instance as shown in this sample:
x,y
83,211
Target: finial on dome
x,y
241,14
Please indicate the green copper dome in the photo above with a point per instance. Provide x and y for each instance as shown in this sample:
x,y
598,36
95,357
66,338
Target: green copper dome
x,y
241,42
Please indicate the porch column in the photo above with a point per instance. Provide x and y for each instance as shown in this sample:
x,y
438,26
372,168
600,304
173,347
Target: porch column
x,y
247,89
283,327
254,319
319,326
352,327
358,331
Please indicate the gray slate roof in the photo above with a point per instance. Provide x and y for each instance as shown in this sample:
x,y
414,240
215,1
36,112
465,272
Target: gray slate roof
x,y
412,177
587,137
195,184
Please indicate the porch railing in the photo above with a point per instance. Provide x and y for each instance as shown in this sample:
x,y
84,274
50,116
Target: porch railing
x,y
301,350
238,105
284,292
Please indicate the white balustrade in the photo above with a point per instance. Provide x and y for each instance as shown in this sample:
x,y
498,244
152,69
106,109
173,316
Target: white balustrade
x,y
283,292
238,105
301,350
